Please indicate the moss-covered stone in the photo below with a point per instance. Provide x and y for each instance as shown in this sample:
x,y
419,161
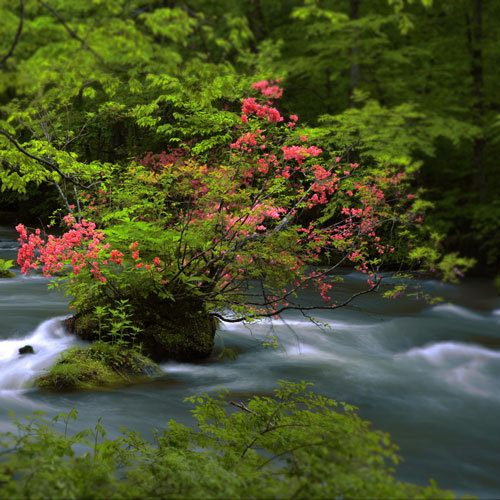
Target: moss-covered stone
x,y
181,330
7,274
96,367
86,326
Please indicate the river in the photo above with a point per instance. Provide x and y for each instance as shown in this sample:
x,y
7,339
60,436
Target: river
x,y
428,375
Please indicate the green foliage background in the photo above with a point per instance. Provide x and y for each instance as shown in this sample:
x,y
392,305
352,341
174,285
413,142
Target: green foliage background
x,y
412,83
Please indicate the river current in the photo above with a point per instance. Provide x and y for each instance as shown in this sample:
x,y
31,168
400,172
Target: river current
x,y
428,375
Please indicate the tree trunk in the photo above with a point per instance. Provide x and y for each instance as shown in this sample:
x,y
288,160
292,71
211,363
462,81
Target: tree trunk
x,y
354,53
475,36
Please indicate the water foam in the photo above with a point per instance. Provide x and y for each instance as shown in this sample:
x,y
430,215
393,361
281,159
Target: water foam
x,y
454,310
443,352
48,340
469,367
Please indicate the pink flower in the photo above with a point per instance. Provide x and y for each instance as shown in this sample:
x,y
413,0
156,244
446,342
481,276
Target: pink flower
x,y
260,85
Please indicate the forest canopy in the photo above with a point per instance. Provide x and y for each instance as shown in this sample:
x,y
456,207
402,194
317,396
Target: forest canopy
x,y
385,83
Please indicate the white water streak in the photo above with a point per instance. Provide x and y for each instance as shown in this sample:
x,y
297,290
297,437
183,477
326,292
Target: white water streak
x,y
48,340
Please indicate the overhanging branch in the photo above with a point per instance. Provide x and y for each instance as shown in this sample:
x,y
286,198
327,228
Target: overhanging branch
x,y
49,164
276,312
70,31
17,37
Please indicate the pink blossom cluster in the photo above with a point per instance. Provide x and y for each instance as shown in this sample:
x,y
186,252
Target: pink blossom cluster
x,y
82,245
268,88
252,107
300,153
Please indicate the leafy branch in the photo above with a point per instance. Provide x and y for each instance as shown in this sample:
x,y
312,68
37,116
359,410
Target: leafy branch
x,y
16,37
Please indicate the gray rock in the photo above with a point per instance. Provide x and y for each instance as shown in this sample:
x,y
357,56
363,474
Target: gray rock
x,y
27,349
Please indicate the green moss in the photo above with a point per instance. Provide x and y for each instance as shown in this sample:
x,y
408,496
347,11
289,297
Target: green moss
x,y
184,338
181,330
98,366
86,326
7,274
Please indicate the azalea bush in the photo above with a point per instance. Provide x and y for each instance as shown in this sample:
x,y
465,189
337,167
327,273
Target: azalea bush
x,y
262,211
238,229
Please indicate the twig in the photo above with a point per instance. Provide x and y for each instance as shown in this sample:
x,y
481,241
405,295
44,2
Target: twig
x,y
241,406
373,288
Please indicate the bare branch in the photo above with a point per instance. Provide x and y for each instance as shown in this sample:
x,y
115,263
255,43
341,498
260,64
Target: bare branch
x,y
373,288
17,37
64,198
241,406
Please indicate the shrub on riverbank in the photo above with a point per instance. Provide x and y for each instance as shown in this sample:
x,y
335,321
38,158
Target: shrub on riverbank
x,y
100,365
294,445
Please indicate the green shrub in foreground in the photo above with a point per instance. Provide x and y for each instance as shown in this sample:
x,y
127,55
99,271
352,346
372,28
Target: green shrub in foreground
x,y
295,445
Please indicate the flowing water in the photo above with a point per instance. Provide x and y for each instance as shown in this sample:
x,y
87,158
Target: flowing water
x,y
429,375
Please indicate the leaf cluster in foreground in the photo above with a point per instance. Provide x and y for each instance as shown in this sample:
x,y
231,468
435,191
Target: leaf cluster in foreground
x,y
295,444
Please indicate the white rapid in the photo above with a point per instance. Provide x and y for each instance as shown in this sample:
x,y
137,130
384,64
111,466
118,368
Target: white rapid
x,y
18,371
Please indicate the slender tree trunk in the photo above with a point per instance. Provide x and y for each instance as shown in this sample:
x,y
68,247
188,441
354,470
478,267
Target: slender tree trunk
x,y
255,20
354,53
475,36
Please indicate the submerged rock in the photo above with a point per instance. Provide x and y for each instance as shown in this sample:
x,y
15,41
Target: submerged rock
x,y
27,349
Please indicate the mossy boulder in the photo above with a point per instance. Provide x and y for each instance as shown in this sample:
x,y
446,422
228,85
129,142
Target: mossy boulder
x,y
182,331
99,366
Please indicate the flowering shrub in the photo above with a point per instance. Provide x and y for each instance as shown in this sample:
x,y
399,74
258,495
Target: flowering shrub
x,y
237,233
